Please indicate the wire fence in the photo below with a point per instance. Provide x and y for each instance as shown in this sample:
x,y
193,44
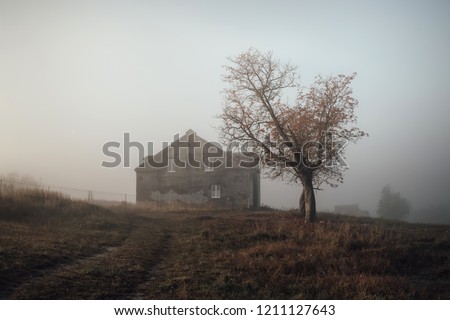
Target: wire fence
x,y
94,196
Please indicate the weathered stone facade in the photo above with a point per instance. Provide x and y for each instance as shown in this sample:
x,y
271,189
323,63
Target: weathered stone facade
x,y
197,186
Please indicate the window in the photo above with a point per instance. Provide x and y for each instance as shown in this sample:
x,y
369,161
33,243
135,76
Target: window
x,y
170,167
208,168
215,191
209,164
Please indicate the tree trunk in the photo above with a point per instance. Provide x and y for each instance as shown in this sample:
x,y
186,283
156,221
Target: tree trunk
x,y
301,205
310,199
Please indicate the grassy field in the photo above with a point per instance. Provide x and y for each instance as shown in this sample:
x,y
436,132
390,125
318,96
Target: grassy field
x,y
55,248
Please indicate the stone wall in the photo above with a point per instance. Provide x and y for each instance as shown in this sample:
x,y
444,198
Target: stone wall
x,y
239,187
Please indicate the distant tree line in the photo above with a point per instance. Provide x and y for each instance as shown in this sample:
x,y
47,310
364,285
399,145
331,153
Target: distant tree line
x,y
13,181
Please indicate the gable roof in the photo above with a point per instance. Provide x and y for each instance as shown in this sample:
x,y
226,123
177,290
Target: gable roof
x,y
183,152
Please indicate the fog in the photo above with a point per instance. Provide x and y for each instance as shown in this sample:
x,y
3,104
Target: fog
x,y
77,74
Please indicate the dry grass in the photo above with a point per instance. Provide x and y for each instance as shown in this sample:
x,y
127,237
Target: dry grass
x,y
276,256
54,248
42,231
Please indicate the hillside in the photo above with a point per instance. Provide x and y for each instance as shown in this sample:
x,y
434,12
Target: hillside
x,y
55,248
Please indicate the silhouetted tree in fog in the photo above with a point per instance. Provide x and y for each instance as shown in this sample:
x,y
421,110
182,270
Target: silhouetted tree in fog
x,y
392,205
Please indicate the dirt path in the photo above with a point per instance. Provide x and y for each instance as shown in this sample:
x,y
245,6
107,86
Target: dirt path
x,y
154,269
130,270
136,268
34,275
44,275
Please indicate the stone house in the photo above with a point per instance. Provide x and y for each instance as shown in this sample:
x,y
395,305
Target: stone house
x,y
196,173
351,210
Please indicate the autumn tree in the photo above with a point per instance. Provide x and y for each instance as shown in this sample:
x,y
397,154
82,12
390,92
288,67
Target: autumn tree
x,y
392,205
300,141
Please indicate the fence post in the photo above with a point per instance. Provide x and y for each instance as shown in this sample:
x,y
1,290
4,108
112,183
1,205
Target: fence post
x,y
125,199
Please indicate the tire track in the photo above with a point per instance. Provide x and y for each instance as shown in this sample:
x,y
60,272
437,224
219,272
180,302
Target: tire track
x,y
155,265
41,275
140,254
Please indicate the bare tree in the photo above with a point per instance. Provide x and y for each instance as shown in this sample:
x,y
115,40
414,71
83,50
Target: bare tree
x,y
300,141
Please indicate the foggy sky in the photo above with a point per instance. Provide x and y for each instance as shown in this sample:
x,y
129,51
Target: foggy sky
x,y
76,74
